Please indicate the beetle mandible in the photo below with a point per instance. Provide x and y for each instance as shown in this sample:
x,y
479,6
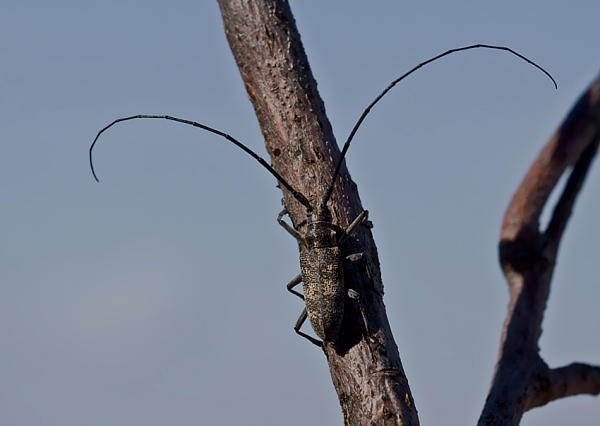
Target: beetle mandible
x,y
321,262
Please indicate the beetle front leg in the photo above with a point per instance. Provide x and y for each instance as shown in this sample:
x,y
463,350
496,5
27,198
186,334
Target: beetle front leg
x,y
297,235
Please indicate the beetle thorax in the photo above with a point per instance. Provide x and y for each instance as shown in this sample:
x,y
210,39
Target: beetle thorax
x,y
320,232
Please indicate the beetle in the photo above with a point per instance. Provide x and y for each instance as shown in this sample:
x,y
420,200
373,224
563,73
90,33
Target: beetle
x,y
321,262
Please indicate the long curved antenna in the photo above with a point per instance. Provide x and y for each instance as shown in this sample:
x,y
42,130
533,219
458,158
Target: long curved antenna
x,y
297,195
327,193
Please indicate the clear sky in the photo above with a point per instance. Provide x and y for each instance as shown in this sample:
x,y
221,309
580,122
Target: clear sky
x,y
158,296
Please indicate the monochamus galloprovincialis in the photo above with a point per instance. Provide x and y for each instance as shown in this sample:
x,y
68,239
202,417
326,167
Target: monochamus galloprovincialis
x,y
321,262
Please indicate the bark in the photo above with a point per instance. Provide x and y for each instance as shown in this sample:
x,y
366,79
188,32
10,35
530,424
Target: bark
x,y
528,255
364,362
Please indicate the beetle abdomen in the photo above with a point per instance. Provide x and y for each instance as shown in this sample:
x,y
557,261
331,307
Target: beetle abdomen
x,y
323,285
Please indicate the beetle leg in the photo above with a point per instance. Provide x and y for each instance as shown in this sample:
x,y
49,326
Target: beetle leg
x,y
297,235
297,280
361,218
353,294
293,284
360,257
298,325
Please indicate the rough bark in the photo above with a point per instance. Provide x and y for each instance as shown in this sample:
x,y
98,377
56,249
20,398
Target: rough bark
x,y
364,362
521,379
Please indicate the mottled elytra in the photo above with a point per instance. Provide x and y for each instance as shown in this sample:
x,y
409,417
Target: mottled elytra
x,y
321,263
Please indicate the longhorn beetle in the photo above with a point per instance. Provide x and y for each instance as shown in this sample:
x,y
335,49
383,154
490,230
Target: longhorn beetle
x,y
321,263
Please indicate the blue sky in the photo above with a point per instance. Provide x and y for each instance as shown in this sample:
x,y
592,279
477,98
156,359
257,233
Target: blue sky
x,y
158,296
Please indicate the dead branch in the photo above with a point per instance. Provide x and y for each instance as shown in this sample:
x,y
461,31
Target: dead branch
x,y
575,379
521,379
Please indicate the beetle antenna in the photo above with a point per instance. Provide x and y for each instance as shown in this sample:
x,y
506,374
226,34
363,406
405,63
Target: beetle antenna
x,y
297,195
329,190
